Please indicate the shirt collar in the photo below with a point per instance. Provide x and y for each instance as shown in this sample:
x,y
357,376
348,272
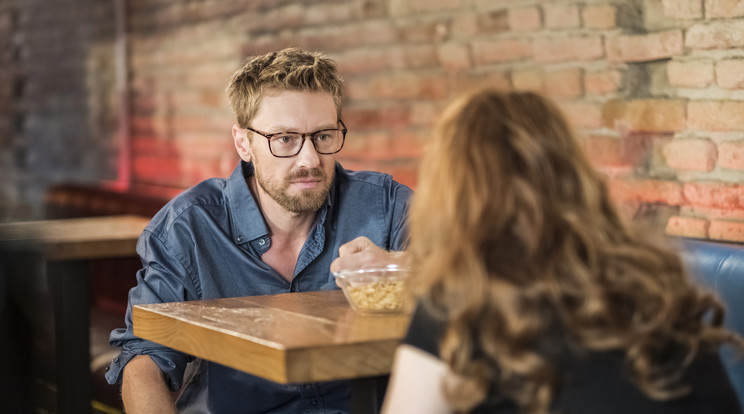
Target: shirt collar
x,y
247,221
246,218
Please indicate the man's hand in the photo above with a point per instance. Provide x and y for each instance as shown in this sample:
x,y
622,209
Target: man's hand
x,y
361,252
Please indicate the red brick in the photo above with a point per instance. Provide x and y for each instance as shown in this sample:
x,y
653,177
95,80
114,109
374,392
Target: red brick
x,y
366,60
727,230
501,50
730,73
407,144
691,154
376,117
368,145
401,85
646,47
567,48
194,123
416,56
494,21
525,19
158,170
605,151
397,8
404,174
454,56
599,17
376,32
264,44
208,75
687,227
415,31
528,80
683,9
644,149
602,82
561,16
731,155
493,79
715,115
354,146
434,5
564,83
201,146
464,25
724,8
717,35
361,10
649,115
646,191
325,13
690,74
582,114
327,38
424,113
277,18
713,194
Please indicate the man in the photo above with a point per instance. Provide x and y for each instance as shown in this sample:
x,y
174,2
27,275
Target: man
x,y
274,226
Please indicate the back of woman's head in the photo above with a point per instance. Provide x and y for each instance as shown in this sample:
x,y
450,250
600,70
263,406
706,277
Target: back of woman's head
x,y
505,178
514,234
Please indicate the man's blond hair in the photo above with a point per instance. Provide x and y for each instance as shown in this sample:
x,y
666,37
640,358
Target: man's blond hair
x,y
291,69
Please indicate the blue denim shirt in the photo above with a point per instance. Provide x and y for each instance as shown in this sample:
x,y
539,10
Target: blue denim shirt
x,y
207,243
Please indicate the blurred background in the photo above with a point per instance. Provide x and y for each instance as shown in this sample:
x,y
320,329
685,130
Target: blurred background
x,y
129,94
114,106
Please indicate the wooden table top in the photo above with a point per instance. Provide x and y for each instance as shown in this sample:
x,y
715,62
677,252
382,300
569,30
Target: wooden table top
x,y
76,238
286,338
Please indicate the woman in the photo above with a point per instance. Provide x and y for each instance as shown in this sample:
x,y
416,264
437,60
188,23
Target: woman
x,y
534,295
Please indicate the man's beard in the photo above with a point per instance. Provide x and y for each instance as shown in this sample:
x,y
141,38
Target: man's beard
x,y
307,200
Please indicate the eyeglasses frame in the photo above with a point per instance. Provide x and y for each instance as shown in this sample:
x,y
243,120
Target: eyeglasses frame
x,y
268,137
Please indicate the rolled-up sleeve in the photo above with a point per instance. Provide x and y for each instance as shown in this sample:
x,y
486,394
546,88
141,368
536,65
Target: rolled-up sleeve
x,y
163,278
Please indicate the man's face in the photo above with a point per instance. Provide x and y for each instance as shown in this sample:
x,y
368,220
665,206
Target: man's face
x,y
300,183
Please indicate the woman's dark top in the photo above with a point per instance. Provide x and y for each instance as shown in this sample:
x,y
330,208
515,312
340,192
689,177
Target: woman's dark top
x,y
594,383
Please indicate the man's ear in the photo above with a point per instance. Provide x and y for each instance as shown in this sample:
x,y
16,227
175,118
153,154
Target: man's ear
x,y
242,143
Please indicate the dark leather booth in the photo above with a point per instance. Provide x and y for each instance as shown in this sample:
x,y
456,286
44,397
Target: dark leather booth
x,y
720,266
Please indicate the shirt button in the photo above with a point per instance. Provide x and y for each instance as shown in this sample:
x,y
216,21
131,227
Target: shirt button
x,y
116,359
262,242
239,238
314,402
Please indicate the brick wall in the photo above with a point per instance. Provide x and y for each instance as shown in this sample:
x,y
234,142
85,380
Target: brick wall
x,y
655,87
56,115
7,75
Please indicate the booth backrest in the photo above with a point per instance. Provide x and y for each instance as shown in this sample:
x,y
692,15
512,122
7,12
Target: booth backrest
x,y
720,266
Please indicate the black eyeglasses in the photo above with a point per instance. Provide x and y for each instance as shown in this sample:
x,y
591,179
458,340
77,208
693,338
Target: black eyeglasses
x,y
289,144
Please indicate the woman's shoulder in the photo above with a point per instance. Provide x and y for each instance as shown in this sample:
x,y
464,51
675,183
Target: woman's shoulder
x,y
425,330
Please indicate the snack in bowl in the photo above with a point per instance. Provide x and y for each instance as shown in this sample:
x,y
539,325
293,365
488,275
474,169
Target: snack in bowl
x,y
375,289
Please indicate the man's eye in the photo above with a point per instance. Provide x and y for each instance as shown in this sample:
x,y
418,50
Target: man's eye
x,y
284,139
323,136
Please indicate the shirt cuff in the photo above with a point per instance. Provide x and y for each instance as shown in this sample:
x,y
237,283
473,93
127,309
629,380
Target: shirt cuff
x,y
171,363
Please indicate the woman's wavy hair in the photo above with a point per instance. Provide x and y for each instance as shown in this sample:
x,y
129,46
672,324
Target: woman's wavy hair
x,y
288,69
514,235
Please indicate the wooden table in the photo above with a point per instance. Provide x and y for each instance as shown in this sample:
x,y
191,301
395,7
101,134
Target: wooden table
x,y
65,245
286,338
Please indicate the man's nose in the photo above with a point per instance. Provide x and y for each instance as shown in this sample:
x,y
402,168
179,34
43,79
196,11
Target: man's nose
x,y
308,156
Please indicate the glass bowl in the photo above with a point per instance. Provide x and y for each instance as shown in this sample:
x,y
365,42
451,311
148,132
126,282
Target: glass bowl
x,y
375,290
